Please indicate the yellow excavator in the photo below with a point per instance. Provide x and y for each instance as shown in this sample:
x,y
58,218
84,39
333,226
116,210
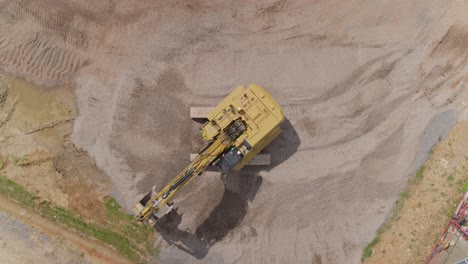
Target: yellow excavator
x,y
238,128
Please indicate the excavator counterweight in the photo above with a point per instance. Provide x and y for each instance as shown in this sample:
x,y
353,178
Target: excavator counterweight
x,y
238,128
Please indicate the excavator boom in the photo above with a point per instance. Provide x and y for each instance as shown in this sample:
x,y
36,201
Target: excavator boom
x,y
195,168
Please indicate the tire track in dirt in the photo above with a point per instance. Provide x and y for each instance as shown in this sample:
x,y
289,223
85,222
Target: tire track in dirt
x,y
40,59
445,69
50,49
4,42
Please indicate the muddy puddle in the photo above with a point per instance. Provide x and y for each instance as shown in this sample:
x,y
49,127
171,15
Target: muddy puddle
x,y
27,108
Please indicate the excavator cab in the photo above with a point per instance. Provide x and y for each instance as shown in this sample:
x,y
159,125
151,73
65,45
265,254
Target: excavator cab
x,y
229,160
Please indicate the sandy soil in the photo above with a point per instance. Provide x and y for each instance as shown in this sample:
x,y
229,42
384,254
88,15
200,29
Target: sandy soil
x,y
368,88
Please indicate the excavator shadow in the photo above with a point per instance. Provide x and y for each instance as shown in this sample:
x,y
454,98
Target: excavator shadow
x,y
240,188
227,215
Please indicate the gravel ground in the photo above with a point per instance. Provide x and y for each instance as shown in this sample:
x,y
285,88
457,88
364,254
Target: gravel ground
x,y
367,87
19,243
437,128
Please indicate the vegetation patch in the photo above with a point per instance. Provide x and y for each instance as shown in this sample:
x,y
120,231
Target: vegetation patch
x,y
464,187
21,161
16,192
419,174
126,224
369,248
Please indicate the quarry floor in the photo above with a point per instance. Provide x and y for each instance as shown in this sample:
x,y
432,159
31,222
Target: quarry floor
x,y
368,88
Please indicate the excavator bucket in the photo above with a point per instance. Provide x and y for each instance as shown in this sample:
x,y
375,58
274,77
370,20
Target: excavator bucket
x,y
151,221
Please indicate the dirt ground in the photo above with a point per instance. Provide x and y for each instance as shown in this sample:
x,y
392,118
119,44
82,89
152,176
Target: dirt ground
x,y
368,87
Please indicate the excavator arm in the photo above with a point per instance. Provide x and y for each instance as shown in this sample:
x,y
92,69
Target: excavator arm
x,y
196,167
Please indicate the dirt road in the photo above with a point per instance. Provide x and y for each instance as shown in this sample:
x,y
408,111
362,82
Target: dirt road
x,y
368,87
20,243
95,251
